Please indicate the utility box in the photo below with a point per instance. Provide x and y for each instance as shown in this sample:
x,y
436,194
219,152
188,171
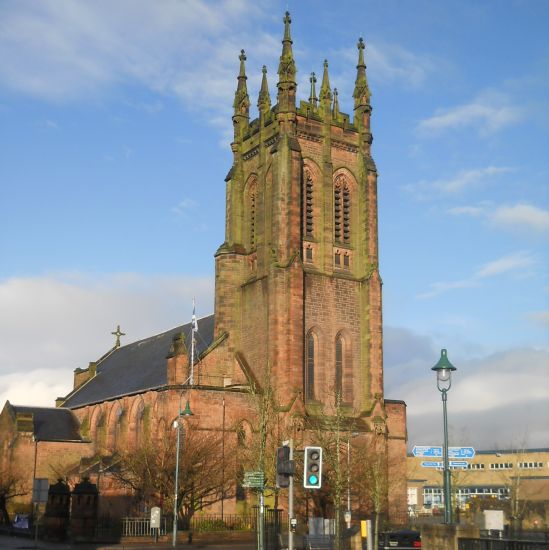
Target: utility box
x,y
491,520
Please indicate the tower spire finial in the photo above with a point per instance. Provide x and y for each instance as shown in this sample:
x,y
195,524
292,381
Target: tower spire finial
x,y
264,98
325,90
335,110
361,92
286,67
241,102
313,100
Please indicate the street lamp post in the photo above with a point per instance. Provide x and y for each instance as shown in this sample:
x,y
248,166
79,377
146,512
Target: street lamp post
x,y
444,381
177,424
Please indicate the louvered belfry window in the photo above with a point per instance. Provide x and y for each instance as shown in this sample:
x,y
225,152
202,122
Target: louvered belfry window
x,y
252,218
342,211
309,225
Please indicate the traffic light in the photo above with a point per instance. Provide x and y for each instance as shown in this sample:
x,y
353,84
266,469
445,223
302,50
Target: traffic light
x,y
284,467
312,474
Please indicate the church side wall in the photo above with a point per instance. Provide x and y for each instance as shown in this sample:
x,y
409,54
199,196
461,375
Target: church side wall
x,y
396,461
331,306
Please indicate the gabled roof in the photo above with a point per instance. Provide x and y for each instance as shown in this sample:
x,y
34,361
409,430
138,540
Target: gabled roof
x,y
139,366
51,424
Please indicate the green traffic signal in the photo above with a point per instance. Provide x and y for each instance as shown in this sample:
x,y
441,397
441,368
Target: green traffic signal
x,y
312,475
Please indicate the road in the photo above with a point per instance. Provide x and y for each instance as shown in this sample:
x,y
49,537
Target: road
x,y
20,543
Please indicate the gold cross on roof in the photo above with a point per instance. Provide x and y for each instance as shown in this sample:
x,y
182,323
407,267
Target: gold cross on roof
x,y
118,333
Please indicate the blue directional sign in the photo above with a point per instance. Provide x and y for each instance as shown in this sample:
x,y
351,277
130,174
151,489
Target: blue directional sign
x,y
458,463
451,463
431,464
427,452
461,452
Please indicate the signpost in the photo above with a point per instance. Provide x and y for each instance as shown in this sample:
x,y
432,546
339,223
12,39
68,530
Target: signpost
x,y
428,452
437,464
254,480
436,452
461,452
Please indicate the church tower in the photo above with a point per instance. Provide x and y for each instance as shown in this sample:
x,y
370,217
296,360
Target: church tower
x,y
298,291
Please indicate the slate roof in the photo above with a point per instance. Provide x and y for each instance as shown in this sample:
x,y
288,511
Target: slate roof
x,y
139,366
52,424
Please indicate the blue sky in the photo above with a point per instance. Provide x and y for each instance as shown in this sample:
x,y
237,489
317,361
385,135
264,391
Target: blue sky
x,y
114,144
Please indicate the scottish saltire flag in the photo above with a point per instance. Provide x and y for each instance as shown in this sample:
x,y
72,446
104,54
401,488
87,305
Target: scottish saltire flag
x,y
194,323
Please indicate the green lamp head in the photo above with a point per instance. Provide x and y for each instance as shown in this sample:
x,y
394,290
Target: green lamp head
x,y
186,411
443,368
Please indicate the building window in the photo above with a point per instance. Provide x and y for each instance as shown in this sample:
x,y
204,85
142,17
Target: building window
x,y
501,466
309,254
251,213
120,429
310,368
433,496
140,427
101,432
338,370
308,213
252,219
474,466
342,211
530,465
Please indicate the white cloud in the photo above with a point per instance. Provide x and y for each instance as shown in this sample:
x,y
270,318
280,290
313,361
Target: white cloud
x,y
473,211
393,63
468,178
463,181
54,324
489,112
519,261
184,207
494,398
539,317
37,387
522,216
59,50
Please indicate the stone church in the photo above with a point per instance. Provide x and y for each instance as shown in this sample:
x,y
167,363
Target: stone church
x,y
297,298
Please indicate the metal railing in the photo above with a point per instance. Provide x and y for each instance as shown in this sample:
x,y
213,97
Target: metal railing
x,y
227,522
141,527
500,544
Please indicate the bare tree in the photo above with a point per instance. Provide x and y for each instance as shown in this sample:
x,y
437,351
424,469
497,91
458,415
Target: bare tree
x,y
11,485
149,472
332,428
370,476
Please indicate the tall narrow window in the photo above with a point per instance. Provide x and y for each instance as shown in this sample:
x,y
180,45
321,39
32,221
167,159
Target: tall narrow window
x,y
342,211
252,218
120,429
308,214
310,369
140,425
101,432
337,213
338,369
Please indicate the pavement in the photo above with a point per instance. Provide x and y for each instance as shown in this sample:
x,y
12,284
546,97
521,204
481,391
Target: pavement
x,y
20,543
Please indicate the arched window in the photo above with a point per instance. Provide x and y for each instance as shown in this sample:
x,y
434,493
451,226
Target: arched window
x,y
308,204
120,429
140,436
342,211
251,205
310,368
343,372
338,369
101,432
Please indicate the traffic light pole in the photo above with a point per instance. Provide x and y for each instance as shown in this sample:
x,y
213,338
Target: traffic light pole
x,y
291,503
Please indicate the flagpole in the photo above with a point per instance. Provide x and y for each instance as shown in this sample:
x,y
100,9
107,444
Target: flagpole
x,y
193,329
